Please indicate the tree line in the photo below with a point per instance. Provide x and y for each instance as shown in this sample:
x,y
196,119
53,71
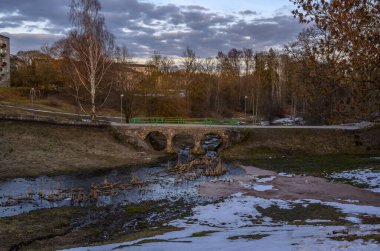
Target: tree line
x,y
329,74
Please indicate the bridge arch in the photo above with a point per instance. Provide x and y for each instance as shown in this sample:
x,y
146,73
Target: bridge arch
x,y
212,141
157,140
183,140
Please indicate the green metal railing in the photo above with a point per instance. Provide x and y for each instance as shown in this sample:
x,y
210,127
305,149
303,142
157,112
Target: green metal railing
x,y
183,121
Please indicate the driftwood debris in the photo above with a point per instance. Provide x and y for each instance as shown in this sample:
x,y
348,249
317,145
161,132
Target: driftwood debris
x,y
219,170
202,166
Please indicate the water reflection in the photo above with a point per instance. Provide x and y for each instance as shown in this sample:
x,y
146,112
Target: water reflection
x,y
114,188
212,142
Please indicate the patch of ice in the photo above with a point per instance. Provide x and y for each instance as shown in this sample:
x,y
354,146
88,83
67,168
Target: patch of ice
x,y
262,188
354,220
265,180
286,175
237,195
376,190
256,187
317,221
350,201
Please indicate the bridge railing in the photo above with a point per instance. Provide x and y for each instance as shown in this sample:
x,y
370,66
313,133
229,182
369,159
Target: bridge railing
x,y
183,121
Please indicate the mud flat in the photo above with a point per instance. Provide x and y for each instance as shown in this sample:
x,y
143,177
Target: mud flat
x,y
271,185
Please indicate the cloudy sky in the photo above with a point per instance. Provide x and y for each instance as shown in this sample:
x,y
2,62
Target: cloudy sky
x,y
207,26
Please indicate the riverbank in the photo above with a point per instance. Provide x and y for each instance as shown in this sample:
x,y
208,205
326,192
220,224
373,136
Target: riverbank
x,y
29,149
310,152
277,142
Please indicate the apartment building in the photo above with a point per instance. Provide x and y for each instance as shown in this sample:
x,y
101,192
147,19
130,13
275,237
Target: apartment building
x,y
5,63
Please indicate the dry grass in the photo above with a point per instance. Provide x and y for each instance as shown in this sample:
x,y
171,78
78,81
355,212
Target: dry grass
x,y
32,149
56,102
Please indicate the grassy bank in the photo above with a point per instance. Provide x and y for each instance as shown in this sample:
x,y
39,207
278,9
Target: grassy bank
x,y
305,151
319,165
32,149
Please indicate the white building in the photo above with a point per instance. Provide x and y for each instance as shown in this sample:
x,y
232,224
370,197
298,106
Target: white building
x,y
5,62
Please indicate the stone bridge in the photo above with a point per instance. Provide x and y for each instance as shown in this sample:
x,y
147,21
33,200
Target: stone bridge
x,y
227,136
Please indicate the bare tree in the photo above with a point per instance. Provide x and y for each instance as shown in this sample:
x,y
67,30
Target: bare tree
x,y
189,66
126,80
248,59
89,51
122,54
189,61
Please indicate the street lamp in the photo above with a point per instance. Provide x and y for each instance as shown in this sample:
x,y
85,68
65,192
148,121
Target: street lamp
x,y
32,95
121,108
245,106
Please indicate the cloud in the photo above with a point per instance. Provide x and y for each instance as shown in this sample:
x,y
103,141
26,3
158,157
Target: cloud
x,y
145,27
248,13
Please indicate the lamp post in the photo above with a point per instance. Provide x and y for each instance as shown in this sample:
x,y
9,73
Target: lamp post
x,y
121,108
245,106
32,95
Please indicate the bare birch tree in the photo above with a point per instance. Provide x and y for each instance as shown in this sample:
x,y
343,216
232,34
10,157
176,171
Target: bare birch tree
x,y
90,49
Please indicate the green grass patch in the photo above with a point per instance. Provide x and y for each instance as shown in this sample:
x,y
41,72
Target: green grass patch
x,y
298,215
371,237
136,209
203,233
248,237
370,220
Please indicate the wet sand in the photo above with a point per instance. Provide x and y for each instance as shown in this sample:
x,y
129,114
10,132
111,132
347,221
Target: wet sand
x,y
296,187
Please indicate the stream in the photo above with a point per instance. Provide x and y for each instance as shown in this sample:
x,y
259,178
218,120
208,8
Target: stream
x,y
21,195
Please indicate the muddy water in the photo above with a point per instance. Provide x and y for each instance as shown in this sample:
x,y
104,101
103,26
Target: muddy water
x,y
23,195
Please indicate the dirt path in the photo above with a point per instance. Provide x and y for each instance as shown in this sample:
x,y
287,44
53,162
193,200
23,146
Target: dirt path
x,y
294,187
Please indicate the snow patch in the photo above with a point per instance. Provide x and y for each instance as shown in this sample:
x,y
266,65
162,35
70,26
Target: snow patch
x,y
354,219
368,177
317,221
266,179
286,175
262,188
234,217
257,187
288,121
